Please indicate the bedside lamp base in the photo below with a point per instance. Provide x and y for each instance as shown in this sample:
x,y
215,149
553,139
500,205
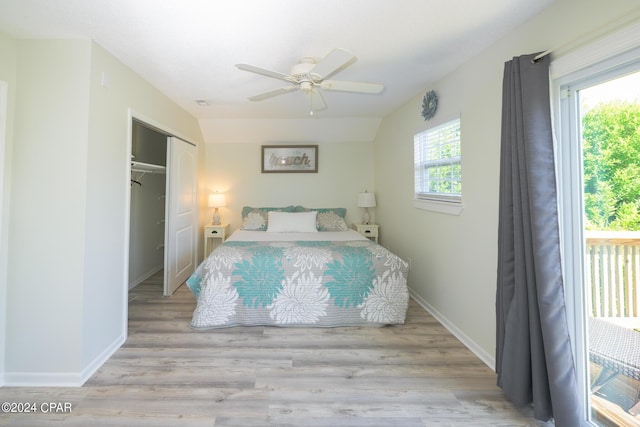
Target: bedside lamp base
x,y
365,216
216,217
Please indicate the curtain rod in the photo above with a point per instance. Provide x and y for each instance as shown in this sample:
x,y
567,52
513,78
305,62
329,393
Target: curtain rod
x,y
606,28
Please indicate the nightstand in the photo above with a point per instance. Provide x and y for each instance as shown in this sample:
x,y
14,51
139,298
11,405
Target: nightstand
x,y
369,231
214,232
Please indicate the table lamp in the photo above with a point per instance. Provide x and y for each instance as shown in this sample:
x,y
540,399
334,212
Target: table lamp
x,y
366,201
216,200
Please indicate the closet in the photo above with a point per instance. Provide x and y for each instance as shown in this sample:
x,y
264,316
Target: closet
x,y
148,198
163,220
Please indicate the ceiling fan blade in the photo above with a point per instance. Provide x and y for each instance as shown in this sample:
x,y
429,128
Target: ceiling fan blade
x,y
331,63
262,71
273,93
347,86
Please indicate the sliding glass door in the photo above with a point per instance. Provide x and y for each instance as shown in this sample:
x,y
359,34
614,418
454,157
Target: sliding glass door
x,y
599,150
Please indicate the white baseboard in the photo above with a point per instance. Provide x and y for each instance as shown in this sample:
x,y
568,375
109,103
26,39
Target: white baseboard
x,y
42,379
64,379
145,276
100,360
485,357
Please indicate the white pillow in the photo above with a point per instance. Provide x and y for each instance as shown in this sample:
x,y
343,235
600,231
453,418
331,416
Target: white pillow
x,y
292,222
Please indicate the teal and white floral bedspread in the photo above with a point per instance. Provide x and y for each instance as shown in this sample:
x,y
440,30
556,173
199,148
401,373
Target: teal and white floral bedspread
x,y
302,283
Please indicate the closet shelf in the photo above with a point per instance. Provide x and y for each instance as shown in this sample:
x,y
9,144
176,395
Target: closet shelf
x,y
147,168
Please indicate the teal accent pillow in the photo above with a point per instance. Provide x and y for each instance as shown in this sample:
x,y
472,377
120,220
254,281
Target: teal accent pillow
x,y
328,219
257,218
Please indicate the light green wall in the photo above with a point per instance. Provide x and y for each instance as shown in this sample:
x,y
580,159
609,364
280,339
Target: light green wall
x,y
67,248
344,170
7,79
454,258
45,269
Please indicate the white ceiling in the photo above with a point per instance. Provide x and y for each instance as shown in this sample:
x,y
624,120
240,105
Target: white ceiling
x,y
188,48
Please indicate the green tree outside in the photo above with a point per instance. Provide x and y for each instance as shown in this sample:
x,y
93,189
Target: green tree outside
x,y
611,150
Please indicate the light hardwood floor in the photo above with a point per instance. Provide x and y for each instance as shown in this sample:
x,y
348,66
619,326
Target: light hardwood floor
x,y
166,374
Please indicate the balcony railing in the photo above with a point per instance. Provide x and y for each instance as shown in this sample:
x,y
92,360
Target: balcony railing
x,y
613,273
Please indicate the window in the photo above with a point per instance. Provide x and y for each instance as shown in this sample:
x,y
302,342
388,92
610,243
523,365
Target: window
x,y
438,168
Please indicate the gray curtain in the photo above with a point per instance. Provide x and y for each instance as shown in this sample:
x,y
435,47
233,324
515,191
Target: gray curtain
x,y
533,349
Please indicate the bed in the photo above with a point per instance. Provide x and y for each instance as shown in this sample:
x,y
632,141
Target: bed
x,y
299,267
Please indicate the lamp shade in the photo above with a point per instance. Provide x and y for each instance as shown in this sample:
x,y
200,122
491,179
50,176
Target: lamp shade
x,y
217,200
366,200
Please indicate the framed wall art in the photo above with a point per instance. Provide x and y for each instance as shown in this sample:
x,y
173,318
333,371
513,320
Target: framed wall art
x,y
289,158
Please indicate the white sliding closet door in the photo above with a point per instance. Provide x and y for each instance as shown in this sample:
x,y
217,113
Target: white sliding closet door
x,y
181,214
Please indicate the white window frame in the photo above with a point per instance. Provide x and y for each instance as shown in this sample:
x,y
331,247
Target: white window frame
x,y
437,202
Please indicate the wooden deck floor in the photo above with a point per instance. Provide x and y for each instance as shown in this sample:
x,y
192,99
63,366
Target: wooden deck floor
x,y
609,407
166,374
610,414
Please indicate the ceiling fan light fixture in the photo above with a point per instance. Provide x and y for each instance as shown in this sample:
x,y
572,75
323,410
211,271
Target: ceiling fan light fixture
x,y
306,86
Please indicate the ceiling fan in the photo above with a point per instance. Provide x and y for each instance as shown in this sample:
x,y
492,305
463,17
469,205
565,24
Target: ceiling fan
x,y
310,75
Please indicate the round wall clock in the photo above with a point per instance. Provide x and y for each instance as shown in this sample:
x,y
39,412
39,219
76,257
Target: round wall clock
x,y
429,105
